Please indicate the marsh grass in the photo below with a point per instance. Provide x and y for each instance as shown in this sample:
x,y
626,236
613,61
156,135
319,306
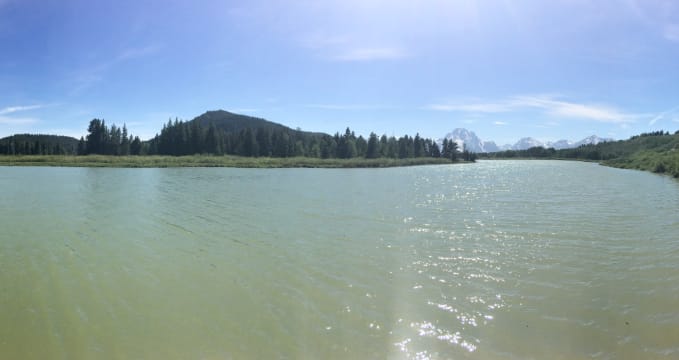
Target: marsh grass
x,y
208,161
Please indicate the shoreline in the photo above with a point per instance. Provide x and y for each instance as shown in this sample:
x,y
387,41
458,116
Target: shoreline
x,y
159,161
645,165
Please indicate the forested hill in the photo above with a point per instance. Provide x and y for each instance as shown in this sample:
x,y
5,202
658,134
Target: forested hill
x,y
224,133
221,132
230,122
38,144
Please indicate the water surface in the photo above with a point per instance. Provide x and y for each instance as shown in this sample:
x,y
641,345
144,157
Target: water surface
x,y
499,259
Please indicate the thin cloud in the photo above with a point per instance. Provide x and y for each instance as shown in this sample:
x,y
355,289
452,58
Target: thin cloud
x,y
13,109
371,54
546,104
347,49
558,108
10,120
499,123
672,32
244,110
348,107
472,108
88,77
662,115
135,53
320,41
4,120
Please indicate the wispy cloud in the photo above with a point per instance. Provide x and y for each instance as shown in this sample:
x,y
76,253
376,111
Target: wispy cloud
x,y
16,121
244,110
662,115
499,123
135,53
558,108
321,41
11,120
347,49
371,54
13,109
472,107
345,106
672,32
89,76
659,15
547,104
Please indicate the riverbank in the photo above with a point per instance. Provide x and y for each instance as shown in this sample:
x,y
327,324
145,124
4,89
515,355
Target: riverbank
x,y
663,164
660,163
209,161
656,152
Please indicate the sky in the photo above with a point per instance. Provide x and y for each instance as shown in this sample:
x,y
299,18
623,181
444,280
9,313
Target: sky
x,y
558,69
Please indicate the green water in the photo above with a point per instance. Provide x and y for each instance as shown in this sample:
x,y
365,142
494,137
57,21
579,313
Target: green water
x,y
507,260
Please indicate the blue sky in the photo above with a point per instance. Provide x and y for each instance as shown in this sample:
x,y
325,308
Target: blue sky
x,y
504,69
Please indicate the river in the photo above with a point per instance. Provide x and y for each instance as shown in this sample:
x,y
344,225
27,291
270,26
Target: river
x,y
493,260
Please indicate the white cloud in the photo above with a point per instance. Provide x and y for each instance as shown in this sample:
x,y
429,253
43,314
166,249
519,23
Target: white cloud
x,y
85,78
244,110
499,123
10,120
319,41
472,108
545,103
134,53
346,48
345,106
370,54
13,109
662,115
16,121
672,32
600,113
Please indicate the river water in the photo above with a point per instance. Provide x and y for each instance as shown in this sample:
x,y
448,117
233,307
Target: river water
x,y
494,260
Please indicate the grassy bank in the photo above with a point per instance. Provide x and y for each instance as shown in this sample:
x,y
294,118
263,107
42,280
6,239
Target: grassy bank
x,y
664,162
656,152
208,161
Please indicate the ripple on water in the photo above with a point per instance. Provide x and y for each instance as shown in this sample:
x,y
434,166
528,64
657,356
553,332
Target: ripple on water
x,y
490,260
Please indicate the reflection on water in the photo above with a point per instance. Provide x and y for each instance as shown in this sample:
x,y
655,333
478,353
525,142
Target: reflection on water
x,y
491,260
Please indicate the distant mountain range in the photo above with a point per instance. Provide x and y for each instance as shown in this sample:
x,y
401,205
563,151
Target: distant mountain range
x,y
468,140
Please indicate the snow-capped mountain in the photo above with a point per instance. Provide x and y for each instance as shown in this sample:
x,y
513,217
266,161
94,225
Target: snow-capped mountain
x,y
468,140
561,144
527,143
591,140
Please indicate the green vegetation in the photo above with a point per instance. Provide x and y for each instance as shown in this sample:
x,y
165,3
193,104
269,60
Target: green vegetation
x,y
221,138
104,141
221,132
655,151
29,144
209,161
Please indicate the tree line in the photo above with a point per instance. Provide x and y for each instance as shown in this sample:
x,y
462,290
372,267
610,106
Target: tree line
x,y
658,141
187,138
37,144
108,141
179,138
